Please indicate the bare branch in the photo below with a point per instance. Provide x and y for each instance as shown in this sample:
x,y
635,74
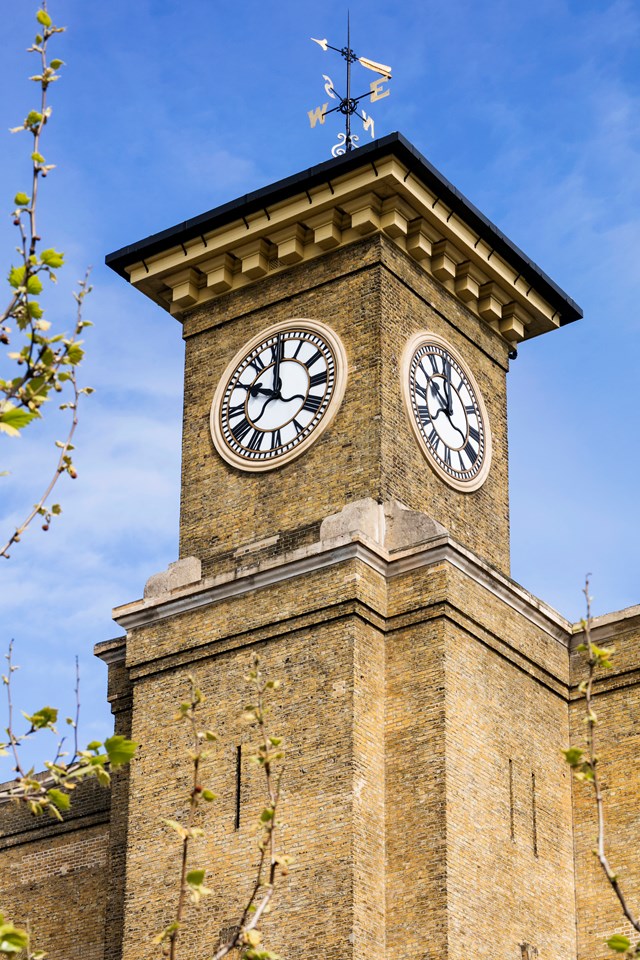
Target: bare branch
x,y
595,659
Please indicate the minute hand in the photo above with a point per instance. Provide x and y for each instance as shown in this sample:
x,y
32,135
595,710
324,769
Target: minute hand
x,y
447,380
277,382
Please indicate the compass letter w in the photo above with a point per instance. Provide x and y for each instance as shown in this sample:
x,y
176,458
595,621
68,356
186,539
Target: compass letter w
x,y
318,114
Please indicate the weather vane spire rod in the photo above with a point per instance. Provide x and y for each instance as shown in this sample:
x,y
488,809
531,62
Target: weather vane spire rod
x,y
348,105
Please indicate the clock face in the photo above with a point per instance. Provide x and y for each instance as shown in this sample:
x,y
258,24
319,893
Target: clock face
x,y
447,412
278,394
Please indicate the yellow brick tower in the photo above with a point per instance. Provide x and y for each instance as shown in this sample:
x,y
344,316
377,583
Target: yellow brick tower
x,y
345,514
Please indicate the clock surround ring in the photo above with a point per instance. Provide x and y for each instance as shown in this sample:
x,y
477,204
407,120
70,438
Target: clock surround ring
x,y
337,381
414,345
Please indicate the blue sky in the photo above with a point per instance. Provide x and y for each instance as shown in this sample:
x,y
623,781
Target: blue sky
x,y
167,109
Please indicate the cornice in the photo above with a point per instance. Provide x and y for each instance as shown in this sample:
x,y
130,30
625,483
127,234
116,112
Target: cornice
x,y
326,554
389,192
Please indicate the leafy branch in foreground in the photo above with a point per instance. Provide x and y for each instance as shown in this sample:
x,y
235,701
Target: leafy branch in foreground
x,y
46,362
585,766
51,791
268,755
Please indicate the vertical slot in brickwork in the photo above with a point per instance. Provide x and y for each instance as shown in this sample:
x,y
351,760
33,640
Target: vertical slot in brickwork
x,y
534,815
512,826
238,785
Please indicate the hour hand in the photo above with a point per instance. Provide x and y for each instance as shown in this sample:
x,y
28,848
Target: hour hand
x,y
255,388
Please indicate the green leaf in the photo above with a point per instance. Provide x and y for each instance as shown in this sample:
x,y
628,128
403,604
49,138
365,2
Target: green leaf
x,y
16,277
177,828
75,353
37,157
119,750
52,258
43,17
12,420
208,795
95,744
34,309
13,940
619,943
34,285
195,878
59,799
573,756
44,717
56,64
21,199
33,118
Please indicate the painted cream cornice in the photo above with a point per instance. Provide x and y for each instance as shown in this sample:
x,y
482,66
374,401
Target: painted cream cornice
x,y
385,197
329,552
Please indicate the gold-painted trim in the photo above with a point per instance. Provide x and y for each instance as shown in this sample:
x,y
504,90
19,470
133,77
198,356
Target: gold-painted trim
x,y
341,370
412,345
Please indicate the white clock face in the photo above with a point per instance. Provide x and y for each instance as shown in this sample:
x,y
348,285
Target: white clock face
x,y
446,411
278,394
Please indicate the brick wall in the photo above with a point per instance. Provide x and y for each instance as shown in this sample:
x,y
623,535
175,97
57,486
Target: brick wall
x,y
53,877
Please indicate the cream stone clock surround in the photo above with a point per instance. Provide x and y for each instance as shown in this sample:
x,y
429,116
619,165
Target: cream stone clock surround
x,y
446,411
278,394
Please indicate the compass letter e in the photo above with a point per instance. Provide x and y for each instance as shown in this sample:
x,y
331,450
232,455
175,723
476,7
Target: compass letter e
x,y
318,114
377,93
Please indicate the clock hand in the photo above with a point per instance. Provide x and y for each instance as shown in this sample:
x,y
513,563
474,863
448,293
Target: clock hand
x,y
255,388
435,390
296,396
277,382
447,380
254,420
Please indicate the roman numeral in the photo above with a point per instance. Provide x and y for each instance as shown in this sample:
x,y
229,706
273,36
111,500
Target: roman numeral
x,y
447,456
474,434
469,408
433,361
318,378
300,342
423,413
421,391
314,359
276,439
241,429
297,426
312,404
471,453
433,438
255,440
236,411
257,363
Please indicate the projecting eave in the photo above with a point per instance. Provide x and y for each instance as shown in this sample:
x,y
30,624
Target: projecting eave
x,y
385,187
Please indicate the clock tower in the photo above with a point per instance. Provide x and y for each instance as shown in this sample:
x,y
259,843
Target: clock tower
x,y
345,514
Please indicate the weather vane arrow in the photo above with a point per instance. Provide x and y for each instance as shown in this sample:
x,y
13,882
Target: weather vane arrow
x,y
348,105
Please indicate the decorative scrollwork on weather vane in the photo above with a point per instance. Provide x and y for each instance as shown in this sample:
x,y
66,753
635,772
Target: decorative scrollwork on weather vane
x,y
348,105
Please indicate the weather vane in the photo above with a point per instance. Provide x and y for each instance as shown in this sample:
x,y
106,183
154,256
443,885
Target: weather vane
x,y
348,105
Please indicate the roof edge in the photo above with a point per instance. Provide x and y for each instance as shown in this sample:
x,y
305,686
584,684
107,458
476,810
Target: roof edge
x,y
394,144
